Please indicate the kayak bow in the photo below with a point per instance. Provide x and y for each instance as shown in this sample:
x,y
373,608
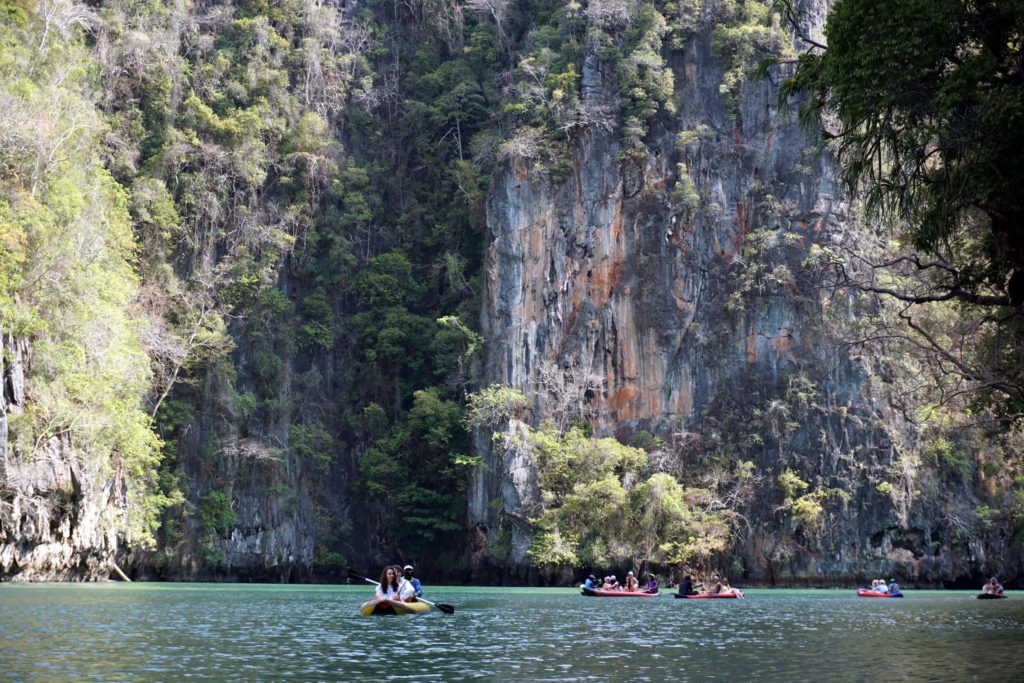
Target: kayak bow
x,y
381,606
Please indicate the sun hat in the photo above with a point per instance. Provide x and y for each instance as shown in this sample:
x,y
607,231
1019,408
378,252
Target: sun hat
x,y
407,567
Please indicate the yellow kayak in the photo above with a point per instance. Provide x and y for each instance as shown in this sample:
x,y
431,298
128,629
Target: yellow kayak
x,y
384,606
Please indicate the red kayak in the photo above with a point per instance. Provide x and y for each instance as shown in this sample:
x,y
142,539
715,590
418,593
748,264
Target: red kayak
x,y
597,593
865,593
709,595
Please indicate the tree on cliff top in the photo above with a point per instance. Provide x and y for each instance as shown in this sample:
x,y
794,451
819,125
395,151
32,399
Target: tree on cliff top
x,y
924,100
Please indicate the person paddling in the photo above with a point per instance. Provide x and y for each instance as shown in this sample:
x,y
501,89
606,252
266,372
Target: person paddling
x,y
652,584
686,586
413,581
632,585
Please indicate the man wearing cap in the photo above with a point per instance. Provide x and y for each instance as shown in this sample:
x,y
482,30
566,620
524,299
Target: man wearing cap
x,y
413,581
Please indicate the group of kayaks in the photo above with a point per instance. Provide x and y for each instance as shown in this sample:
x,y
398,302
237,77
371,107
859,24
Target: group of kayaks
x,y
598,593
383,606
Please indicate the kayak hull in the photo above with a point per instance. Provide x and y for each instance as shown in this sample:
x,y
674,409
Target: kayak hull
x,y
707,596
596,593
865,593
990,596
383,607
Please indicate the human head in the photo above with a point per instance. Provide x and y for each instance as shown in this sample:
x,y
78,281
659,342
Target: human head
x,y
592,578
407,570
892,580
629,573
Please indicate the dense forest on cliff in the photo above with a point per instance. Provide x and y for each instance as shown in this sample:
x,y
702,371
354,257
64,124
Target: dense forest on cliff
x,y
292,285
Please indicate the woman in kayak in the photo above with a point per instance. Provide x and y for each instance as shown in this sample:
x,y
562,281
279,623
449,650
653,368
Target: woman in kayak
x,y
652,584
729,590
632,585
393,586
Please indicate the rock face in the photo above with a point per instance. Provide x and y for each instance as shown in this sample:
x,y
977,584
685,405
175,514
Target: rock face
x,y
59,516
703,321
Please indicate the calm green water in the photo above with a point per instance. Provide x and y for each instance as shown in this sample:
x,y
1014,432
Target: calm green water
x,y
207,632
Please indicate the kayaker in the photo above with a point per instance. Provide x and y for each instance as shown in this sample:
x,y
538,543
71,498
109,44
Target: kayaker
x,y
417,587
729,590
894,588
390,587
686,586
993,587
716,584
652,584
591,582
632,585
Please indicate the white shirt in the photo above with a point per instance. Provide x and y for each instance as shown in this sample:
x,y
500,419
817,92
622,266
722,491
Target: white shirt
x,y
405,590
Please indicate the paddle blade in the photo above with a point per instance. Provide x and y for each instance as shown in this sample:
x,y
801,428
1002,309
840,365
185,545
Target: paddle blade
x,y
447,609
355,576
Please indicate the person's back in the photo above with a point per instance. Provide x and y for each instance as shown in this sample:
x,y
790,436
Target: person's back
x,y
686,586
590,583
893,588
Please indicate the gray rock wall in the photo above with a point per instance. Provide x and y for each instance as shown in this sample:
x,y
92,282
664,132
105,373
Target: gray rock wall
x,y
703,321
60,516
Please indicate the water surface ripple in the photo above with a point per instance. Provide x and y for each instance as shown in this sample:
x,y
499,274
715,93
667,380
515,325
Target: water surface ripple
x,y
215,632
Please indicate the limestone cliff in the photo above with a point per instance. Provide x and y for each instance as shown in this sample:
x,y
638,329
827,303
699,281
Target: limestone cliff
x,y
60,516
701,323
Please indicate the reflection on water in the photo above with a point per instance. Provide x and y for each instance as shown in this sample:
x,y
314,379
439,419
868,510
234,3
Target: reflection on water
x,y
174,632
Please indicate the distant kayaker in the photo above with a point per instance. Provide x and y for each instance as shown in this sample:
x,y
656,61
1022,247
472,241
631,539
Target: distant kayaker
x,y
729,590
407,572
686,586
652,584
992,587
591,582
632,585
716,584
893,589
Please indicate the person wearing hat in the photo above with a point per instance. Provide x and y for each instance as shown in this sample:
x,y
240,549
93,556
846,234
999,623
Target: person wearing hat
x,y
632,585
412,580
894,588
591,582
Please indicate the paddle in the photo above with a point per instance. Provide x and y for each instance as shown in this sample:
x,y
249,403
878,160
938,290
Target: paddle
x,y
447,609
